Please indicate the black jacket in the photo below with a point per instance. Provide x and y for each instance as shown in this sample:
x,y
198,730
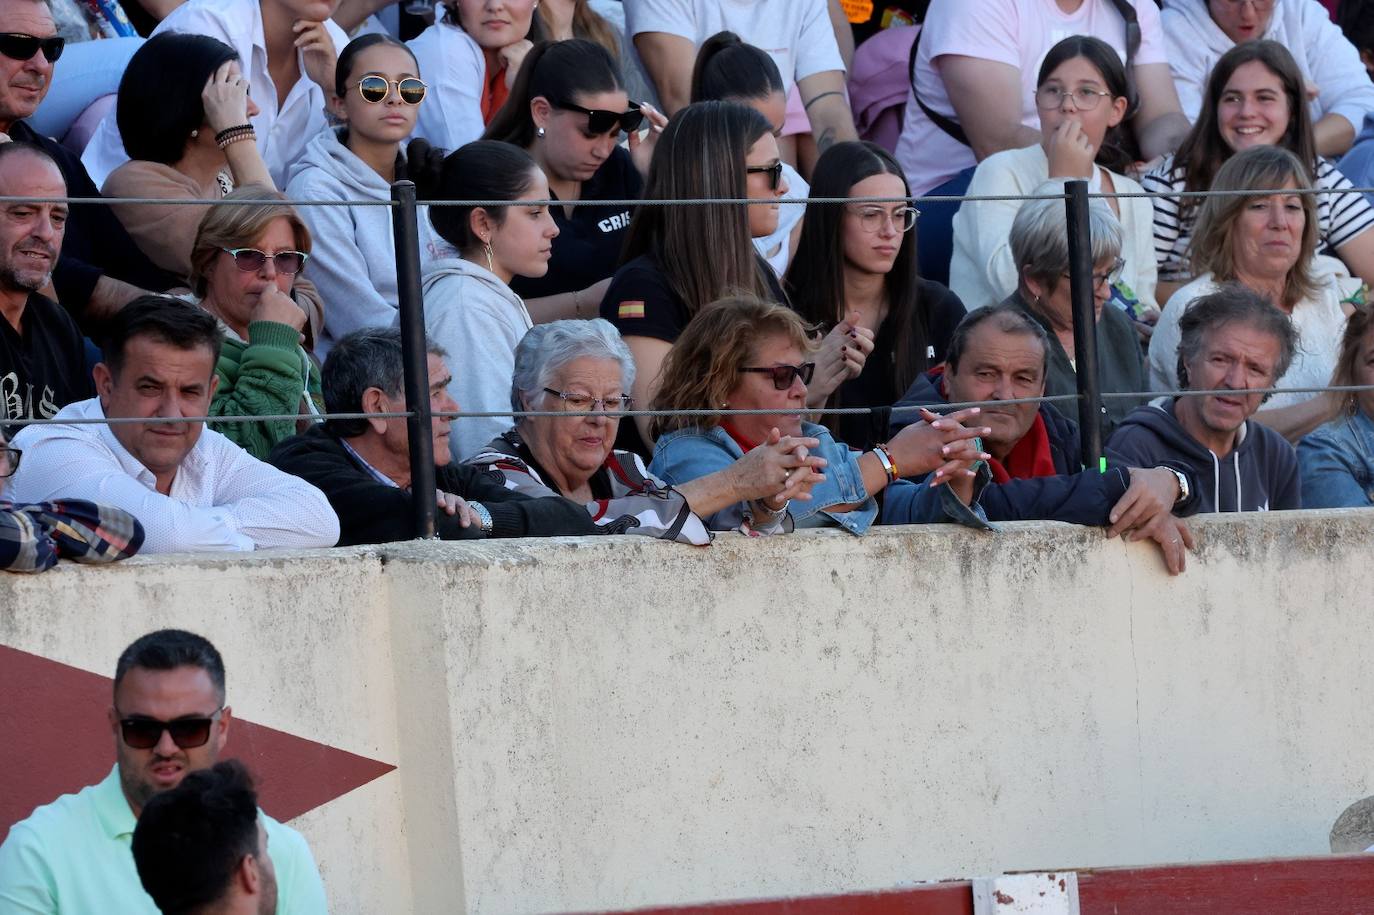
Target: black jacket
x,y
1072,495
370,511
95,243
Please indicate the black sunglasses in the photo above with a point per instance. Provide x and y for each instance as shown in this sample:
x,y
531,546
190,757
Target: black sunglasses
x,y
18,46
783,374
250,260
375,89
774,173
187,733
601,121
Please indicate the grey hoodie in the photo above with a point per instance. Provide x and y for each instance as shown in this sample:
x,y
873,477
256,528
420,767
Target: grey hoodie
x,y
1260,473
353,253
478,320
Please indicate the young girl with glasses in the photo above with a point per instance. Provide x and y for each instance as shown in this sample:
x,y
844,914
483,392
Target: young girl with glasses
x,y
376,95
680,258
569,110
854,276
1081,94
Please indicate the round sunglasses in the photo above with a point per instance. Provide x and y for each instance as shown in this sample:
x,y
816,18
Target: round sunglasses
x,y
783,374
18,46
375,89
602,121
250,260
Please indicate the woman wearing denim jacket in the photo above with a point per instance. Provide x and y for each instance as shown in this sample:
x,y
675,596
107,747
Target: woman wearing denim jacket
x,y
1337,460
746,354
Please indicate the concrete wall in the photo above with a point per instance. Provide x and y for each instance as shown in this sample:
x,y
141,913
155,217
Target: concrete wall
x,y
602,723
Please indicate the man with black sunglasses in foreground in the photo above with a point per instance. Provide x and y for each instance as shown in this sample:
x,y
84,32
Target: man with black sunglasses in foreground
x,y
101,269
168,719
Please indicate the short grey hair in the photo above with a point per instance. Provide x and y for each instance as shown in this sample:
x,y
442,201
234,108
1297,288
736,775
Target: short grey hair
x,y
1040,234
367,358
547,348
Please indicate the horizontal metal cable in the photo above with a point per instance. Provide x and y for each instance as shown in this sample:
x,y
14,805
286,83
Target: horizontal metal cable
x,y
940,407
702,201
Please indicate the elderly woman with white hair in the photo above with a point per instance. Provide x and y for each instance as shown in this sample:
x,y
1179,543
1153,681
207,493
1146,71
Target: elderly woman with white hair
x,y
585,367
1040,249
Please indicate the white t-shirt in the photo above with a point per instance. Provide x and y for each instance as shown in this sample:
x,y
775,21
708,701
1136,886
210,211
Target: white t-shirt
x,y
1015,32
282,132
796,33
451,62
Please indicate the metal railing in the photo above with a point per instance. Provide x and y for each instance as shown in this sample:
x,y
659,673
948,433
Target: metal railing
x,y
419,415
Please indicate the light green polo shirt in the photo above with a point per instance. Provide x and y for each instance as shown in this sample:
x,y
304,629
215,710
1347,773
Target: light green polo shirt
x,y
73,856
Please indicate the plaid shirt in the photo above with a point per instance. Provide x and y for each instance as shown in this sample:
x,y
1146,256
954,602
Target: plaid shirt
x,y
34,537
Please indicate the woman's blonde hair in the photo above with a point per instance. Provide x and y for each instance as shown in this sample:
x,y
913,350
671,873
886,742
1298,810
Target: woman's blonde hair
x,y
1264,168
1357,327
238,226
704,364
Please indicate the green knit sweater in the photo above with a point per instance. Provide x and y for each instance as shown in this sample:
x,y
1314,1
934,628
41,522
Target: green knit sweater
x,y
268,375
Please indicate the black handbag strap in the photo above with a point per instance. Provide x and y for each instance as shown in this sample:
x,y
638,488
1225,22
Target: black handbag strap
x,y
952,128
948,125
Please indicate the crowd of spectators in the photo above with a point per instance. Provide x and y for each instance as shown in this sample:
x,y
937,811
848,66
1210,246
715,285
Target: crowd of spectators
x,y
280,303
211,360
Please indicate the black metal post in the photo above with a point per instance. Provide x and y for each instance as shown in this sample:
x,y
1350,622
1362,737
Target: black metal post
x,y
1084,325
416,358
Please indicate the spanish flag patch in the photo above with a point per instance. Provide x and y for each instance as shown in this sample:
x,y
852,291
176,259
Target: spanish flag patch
x,y
631,310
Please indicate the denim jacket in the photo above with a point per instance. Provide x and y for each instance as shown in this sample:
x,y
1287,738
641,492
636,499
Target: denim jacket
x,y
689,454
1337,464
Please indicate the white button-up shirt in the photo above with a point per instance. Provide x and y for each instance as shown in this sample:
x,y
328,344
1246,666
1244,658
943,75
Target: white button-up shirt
x,y
222,498
282,132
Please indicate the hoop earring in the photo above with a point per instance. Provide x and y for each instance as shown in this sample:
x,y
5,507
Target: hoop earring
x,y
487,249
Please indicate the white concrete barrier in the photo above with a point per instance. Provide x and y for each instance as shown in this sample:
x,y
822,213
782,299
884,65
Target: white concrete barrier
x,y
605,723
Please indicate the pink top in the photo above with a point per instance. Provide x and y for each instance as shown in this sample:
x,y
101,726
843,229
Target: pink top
x,y
1015,32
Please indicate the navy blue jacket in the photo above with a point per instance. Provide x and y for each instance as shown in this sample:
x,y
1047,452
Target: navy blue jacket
x,y
1071,495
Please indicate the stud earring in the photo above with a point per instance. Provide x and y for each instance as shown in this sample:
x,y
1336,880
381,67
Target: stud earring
x,y
539,132
195,132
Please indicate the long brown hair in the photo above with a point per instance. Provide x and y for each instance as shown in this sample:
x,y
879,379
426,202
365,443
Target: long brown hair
x,y
704,250
1259,168
1202,153
703,366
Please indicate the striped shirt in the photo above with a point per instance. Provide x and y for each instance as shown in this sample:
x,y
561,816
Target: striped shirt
x,y
1340,217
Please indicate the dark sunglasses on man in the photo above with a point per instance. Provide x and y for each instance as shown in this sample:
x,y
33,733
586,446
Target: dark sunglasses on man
x,y
18,46
783,374
187,733
602,121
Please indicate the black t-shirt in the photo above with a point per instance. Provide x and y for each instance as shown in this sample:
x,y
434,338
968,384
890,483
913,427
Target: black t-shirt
x,y
641,303
44,369
877,385
588,245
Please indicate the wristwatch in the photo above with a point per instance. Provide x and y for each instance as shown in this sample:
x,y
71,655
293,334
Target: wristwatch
x,y
1183,491
483,516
